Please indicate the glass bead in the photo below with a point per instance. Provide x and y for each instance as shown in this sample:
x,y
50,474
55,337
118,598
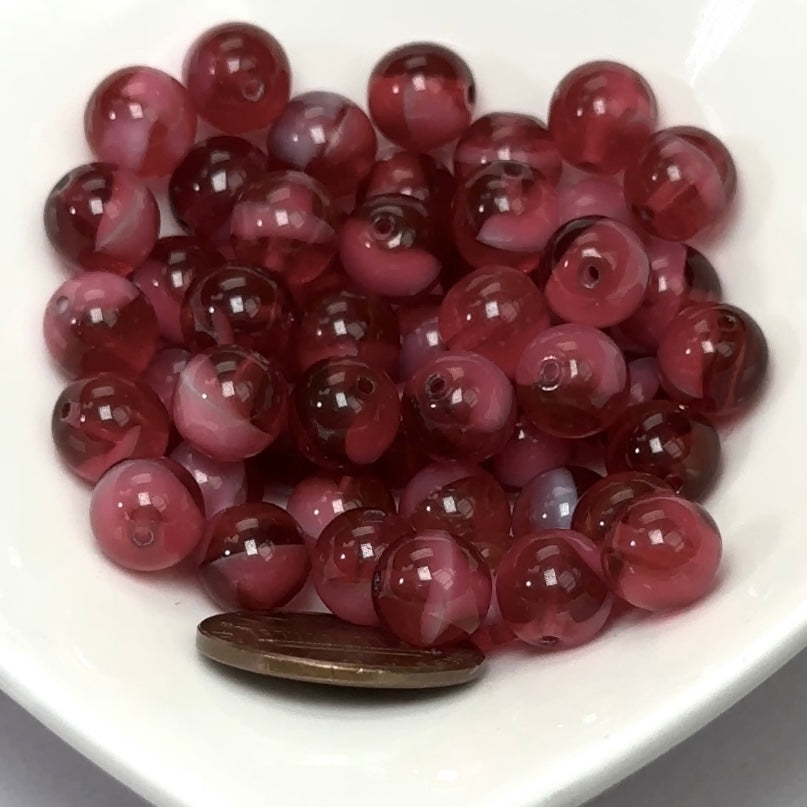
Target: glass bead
x,y
459,406
551,591
680,183
421,339
421,96
230,403
344,558
98,321
572,381
527,453
101,218
714,357
643,380
429,479
430,589
600,114
668,441
343,413
592,196
163,372
238,77
147,514
662,552
255,558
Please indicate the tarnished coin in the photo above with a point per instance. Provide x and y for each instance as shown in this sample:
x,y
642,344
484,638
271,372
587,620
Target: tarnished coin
x,y
322,649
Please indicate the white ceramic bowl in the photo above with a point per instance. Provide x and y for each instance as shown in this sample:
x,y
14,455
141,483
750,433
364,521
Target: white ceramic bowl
x,y
107,660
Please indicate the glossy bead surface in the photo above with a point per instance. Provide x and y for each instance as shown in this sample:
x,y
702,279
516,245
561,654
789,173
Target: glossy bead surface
x,y
421,96
550,590
572,381
592,196
431,590
343,413
238,77
714,357
600,114
101,218
495,312
681,183
429,479
230,403
255,558
163,372
146,514
344,558
527,453
459,406
421,339
662,552
222,484
643,380
669,442
97,321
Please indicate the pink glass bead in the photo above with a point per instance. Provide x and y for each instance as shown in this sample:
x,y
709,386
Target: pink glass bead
x,y
101,218
529,452
643,380
230,403
495,312
238,77
286,222
572,381
173,264
714,357
255,558
600,114
429,479
389,246
599,506
98,321
142,119
592,196
343,413
101,420
318,500
550,590
163,372
662,552
681,183
421,96
348,323
343,561
327,136
223,484
547,501
147,514
669,442
459,406
507,136
430,589
421,339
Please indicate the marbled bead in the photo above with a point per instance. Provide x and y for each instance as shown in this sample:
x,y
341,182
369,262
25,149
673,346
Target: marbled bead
x,y
643,380
592,196
421,339
429,479
527,453
163,372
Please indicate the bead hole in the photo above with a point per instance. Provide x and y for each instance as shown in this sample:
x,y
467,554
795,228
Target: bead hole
x,y
549,375
436,386
589,275
142,536
727,322
513,170
65,411
366,386
549,641
383,225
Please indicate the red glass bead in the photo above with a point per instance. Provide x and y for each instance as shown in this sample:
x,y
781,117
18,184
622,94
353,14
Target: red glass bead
x,y
230,402
503,214
430,478
343,413
142,119
163,372
255,558
495,312
550,590
600,114
459,406
98,321
101,420
175,261
206,184
662,552
344,558
680,183
348,323
421,96
101,218
327,136
643,380
430,589
389,246
572,381
714,357
421,339
669,442
592,196
597,270
529,452
238,77
147,514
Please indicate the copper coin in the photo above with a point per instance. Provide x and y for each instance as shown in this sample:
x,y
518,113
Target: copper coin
x,y
322,649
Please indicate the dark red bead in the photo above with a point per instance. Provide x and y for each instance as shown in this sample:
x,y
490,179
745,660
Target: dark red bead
x,y
529,452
